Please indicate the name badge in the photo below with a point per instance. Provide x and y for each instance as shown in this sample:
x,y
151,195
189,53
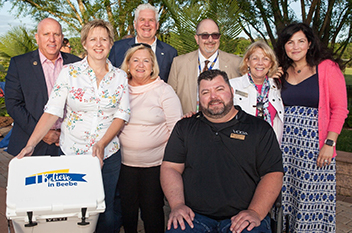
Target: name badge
x,y
241,93
237,136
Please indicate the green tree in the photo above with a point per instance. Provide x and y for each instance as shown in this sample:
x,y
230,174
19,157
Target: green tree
x,y
16,41
331,19
75,13
185,15
77,48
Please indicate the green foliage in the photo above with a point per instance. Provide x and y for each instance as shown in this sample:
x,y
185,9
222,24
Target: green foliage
x,y
77,48
3,70
348,76
3,111
76,13
16,41
185,15
348,121
240,45
331,19
344,140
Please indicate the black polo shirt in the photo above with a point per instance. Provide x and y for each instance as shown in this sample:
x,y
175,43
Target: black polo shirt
x,y
223,161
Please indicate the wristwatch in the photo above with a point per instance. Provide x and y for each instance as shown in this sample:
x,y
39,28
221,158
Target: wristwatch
x,y
330,142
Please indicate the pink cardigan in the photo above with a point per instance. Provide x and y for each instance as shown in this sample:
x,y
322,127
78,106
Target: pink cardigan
x,y
332,100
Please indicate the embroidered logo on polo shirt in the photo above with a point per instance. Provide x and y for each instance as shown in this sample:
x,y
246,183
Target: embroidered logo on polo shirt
x,y
238,134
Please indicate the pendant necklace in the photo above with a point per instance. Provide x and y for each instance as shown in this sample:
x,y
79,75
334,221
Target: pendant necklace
x,y
300,70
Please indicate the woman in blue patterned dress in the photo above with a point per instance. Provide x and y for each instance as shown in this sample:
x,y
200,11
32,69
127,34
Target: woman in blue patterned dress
x,y
314,96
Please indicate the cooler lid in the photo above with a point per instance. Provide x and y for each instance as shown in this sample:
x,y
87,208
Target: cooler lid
x,y
47,184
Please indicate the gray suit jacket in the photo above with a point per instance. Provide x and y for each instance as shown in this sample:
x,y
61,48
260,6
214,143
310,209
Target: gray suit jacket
x,y
184,74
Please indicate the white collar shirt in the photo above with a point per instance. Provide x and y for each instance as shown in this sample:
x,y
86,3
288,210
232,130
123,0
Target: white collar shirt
x,y
152,45
211,59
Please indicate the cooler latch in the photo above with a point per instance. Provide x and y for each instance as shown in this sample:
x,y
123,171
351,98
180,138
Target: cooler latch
x,y
83,222
31,223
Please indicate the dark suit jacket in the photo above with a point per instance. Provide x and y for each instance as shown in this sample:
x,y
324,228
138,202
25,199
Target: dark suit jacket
x,y
26,96
164,54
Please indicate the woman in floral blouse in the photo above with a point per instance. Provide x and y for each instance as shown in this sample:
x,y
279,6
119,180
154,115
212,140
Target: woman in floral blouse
x,y
94,95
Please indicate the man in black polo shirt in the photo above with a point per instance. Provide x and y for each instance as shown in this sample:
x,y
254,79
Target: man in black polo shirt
x,y
222,169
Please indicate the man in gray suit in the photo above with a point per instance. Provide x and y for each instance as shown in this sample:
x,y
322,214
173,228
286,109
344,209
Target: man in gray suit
x,y
186,68
29,81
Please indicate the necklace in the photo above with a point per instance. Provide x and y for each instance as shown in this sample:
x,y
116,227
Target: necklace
x,y
300,70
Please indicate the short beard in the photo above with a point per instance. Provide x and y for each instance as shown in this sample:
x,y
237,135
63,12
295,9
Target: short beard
x,y
217,112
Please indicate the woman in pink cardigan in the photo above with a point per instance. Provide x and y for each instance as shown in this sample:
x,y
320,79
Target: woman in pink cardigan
x,y
314,95
155,109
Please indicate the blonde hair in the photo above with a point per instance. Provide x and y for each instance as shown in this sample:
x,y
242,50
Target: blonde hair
x,y
94,24
129,54
267,51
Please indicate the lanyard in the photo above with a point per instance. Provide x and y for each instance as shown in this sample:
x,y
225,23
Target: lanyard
x,y
212,64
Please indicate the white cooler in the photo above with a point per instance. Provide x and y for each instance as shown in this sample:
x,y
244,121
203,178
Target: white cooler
x,y
54,194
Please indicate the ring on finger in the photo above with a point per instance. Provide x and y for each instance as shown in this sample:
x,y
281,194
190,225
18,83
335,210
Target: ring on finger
x,y
326,160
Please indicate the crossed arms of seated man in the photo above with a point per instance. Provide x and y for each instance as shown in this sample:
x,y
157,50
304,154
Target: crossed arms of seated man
x,y
264,197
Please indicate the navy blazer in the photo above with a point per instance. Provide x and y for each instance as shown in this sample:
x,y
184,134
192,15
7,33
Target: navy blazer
x,y
164,54
26,96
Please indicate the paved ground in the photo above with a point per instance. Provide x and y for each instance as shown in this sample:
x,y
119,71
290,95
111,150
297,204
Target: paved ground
x,y
343,207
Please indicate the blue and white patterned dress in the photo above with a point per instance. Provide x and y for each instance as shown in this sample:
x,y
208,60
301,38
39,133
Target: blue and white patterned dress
x,y
308,192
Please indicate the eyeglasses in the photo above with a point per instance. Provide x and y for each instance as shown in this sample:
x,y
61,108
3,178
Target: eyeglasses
x,y
144,44
205,36
260,108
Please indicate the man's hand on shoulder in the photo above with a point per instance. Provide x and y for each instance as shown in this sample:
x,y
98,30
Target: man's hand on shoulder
x,y
53,136
245,219
189,114
177,216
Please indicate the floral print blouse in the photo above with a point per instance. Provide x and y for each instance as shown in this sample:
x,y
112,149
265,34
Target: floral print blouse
x,y
90,109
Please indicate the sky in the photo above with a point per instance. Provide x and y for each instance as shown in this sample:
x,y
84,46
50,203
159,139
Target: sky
x,y
8,20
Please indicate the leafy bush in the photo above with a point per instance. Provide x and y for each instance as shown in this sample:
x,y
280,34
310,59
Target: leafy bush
x,y
344,141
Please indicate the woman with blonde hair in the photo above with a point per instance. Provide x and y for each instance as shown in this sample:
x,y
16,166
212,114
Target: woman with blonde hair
x,y
95,97
155,109
256,92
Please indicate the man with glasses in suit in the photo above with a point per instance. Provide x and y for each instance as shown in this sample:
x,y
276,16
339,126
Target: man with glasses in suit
x,y
186,68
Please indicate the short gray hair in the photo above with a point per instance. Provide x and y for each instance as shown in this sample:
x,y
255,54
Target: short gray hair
x,y
146,6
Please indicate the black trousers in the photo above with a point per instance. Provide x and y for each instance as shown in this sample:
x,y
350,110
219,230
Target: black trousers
x,y
140,189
